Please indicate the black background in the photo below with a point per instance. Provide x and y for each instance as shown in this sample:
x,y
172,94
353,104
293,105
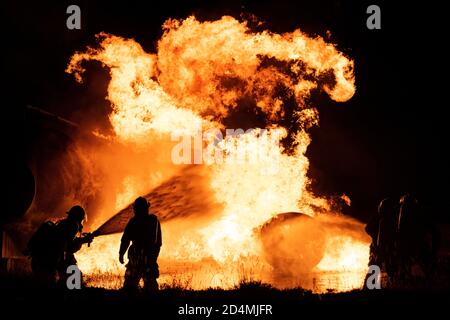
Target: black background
x,y
387,140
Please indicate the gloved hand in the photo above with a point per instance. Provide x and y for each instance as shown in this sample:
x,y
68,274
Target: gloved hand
x,y
88,238
121,258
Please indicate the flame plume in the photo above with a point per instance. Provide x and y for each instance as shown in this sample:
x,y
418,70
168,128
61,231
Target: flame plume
x,y
210,75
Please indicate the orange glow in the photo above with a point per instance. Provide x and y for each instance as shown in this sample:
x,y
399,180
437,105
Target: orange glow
x,y
196,79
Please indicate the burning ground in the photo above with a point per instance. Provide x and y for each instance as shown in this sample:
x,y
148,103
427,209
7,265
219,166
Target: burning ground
x,y
245,212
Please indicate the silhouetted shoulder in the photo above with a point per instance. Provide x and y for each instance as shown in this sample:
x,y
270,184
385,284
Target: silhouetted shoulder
x,y
67,228
132,221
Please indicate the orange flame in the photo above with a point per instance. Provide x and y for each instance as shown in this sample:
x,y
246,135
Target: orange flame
x,y
200,75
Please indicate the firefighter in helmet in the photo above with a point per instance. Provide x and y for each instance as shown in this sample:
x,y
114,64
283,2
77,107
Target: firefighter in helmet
x,y
144,233
52,247
71,238
418,238
387,236
382,229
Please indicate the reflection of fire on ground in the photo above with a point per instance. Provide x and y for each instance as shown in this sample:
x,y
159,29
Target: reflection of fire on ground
x,y
324,253
221,221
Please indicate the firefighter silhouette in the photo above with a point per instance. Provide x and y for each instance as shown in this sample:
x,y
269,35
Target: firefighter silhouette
x,y
418,239
52,247
387,236
382,228
144,233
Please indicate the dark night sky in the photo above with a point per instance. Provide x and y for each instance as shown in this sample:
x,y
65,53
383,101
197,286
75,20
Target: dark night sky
x,y
388,139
